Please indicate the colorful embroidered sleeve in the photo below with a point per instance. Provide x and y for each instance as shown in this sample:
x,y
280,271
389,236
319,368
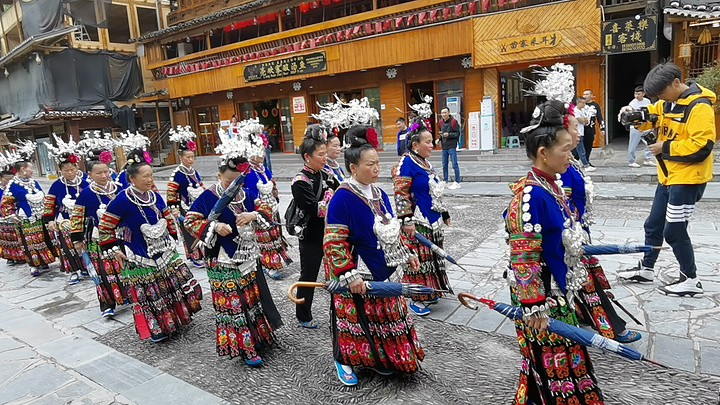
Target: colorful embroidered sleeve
x,y
402,181
196,220
49,208
264,214
339,257
7,205
77,223
173,197
525,238
108,223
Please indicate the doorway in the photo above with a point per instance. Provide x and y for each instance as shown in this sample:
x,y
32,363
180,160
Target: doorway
x,y
625,72
208,119
414,93
274,115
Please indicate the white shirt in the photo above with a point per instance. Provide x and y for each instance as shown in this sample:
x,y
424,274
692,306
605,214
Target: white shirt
x,y
580,114
637,104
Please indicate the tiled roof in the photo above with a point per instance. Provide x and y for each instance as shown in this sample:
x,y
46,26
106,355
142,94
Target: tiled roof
x,y
693,8
208,18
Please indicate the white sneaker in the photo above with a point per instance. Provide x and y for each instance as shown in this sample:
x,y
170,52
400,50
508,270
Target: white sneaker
x,y
685,286
634,165
453,186
649,163
589,168
639,273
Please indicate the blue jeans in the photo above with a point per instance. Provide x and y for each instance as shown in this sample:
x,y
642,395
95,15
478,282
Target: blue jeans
x,y
579,152
671,211
453,155
267,159
635,139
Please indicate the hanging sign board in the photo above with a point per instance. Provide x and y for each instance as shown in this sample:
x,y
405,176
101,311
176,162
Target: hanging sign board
x,y
295,65
625,35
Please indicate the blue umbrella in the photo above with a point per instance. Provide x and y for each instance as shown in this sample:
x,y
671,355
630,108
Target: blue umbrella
x,y
227,196
618,249
579,335
437,249
374,288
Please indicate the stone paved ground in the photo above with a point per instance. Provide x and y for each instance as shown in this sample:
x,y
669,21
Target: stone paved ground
x,y
54,347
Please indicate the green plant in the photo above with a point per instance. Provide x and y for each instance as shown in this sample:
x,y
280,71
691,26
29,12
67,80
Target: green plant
x,y
710,79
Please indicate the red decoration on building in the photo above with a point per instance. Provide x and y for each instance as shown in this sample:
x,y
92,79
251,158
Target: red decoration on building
x,y
433,15
378,27
458,10
446,13
410,19
421,17
471,7
387,24
368,28
398,21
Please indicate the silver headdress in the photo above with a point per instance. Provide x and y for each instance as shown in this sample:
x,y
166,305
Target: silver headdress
x,y
344,115
98,146
423,109
64,152
135,141
25,150
557,83
183,136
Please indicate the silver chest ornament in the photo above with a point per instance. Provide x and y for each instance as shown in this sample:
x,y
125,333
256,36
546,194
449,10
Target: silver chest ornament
x,y
194,192
388,236
100,212
69,203
155,237
437,188
573,239
247,248
35,200
266,195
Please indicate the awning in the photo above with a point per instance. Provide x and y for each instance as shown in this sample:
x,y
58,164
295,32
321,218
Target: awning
x,y
702,9
29,44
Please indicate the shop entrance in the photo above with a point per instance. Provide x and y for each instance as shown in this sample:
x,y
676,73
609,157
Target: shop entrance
x,y
625,72
414,93
208,121
275,116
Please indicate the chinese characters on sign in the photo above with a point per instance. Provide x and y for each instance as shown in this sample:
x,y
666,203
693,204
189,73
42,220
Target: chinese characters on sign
x,y
296,65
529,42
298,105
629,35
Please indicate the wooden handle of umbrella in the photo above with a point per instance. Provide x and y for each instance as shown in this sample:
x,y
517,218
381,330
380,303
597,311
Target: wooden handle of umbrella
x,y
461,297
291,290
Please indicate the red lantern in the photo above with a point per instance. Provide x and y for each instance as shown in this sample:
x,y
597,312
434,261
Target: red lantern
x,y
304,7
446,12
228,28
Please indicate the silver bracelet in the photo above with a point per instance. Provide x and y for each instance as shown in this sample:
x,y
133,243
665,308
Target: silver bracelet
x,y
349,277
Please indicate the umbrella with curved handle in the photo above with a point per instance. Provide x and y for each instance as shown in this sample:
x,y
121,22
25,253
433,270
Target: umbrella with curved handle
x,y
579,335
374,288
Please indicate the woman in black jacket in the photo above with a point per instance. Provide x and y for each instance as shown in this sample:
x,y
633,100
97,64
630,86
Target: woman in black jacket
x,y
312,189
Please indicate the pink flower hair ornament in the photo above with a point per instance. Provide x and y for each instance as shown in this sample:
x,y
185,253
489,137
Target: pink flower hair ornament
x,y
73,159
191,146
146,156
414,126
105,157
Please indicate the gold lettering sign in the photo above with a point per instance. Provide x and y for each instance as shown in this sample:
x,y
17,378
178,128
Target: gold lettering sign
x,y
529,42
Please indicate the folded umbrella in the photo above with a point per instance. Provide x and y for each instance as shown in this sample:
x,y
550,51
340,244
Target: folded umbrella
x,y
374,288
579,335
437,249
228,195
618,249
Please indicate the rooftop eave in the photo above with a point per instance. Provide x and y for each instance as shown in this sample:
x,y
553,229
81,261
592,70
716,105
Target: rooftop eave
x,y
31,43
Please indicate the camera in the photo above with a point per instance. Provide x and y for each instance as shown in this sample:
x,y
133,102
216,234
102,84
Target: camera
x,y
637,116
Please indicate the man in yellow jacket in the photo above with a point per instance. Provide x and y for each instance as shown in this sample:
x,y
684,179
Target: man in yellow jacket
x,y
685,138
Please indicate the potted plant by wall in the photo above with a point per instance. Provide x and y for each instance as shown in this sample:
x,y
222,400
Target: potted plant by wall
x,y
710,79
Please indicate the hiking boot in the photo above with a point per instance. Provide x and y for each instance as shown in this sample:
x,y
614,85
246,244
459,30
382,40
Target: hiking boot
x,y
639,273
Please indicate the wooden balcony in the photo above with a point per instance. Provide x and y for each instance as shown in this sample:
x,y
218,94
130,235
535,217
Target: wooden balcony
x,y
189,9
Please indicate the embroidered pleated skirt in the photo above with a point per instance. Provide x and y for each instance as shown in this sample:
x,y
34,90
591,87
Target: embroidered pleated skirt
x,y
109,284
554,370
431,272
164,294
273,248
593,305
70,260
374,332
35,243
11,247
241,323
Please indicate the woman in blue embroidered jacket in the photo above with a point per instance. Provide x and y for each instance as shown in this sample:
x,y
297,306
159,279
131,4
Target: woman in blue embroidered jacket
x,y
164,292
22,203
245,314
594,306
59,204
418,197
89,208
312,189
546,273
368,331
185,186
273,247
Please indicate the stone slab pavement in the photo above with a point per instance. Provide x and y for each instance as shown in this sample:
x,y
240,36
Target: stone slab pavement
x,y
678,332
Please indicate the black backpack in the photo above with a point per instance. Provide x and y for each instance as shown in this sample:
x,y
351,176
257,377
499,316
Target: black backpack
x,y
295,220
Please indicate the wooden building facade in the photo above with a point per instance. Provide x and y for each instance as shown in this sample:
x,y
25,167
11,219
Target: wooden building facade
x,y
394,55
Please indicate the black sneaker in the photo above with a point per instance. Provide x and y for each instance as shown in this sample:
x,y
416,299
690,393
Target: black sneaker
x,y
639,273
